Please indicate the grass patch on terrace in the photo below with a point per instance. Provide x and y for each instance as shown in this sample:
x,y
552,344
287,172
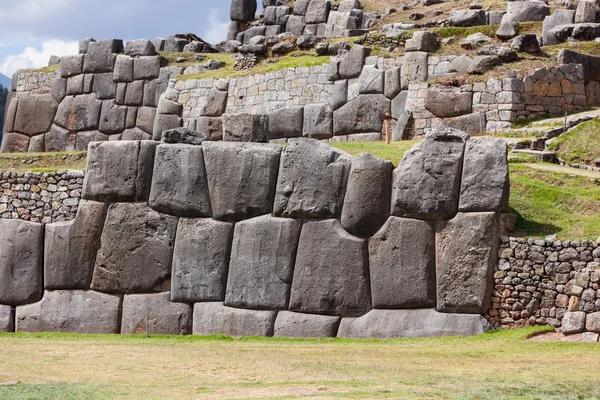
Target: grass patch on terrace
x,y
499,365
393,152
580,145
42,162
49,69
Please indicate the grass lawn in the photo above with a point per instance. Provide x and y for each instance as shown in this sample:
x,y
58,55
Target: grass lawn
x,y
42,162
580,145
497,365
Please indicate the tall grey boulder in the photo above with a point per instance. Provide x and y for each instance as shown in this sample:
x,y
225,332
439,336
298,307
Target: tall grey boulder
x,y
333,280
242,10
402,264
245,128
179,182
559,17
525,11
426,185
73,311
485,182
201,260
215,318
247,190
119,171
286,122
467,252
312,180
157,311
71,247
262,263
21,262
136,250
352,63
297,325
368,195
414,69
467,18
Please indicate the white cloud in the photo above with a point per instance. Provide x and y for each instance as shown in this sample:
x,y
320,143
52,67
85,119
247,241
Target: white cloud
x,y
217,30
34,58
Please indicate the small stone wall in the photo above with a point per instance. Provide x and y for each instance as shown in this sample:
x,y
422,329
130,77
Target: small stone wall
x,y
32,82
302,240
547,282
40,197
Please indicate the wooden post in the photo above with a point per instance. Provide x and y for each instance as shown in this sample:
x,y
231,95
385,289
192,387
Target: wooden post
x,y
387,117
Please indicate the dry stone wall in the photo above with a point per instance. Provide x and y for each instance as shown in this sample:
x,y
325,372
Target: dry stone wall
x,y
284,244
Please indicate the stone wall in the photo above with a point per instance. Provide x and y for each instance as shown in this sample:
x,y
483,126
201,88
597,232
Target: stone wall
x,y
33,82
547,282
40,197
301,240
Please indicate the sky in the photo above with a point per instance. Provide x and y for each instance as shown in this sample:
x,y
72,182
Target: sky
x,y
33,30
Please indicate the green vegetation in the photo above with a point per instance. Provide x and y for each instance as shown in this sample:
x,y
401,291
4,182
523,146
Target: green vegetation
x,y
42,162
48,69
498,365
580,145
393,152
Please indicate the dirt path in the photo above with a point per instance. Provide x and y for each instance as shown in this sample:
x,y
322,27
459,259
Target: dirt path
x,y
565,170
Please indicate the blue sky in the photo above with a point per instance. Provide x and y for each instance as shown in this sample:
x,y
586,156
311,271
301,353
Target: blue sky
x,y
32,30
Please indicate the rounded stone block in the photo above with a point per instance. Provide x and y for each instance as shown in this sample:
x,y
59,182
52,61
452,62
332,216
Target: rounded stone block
x,y
21,262
163,317
241,178
296,325
402,264
201,260
387,324
368,195
179,182
312,180
136,250
72,311
215,319
262,263
331,276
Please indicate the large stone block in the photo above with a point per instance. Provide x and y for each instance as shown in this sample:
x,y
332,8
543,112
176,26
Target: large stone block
x,y
393,83
426,185
212,127
422,41
80,113
72,311
467,251
100,56
467,18
352,64
179,183
119,171
318,121
526,11
112,118
370,80
216,103
242,10
312,180
368,195
297,325
361,115
317,12
145,119
35,114
214,319
136,250
71,65
200,260
574,322
146,68
402,264
162,316
445,104
415,68
286,122
21,262
85,138
387,324
123,69
59,139
71,247
485,182
14,143
246,190
140,47
165,122
333,280
560,17
262,263
7,319
104,86
245,128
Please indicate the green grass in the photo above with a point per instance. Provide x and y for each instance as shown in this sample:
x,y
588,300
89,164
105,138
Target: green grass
x,y
580,145
554,203
497,365
48,69
393,152
42,162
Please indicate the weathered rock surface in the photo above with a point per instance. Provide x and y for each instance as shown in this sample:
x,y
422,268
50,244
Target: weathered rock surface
x,y
242,10
352,64
14,143
474,41
574,322
414,69
446,104
79,113
527,43
71,247
73,311
426,185
247,190
163,316
35,114
201,260
526,11
467,18
21,262
262,263
402,264
370,80
318,121
297,325
183,136
368,195
141,47
341,288
485,182
385,324
467,251
119,171
286,122
215,318
7,319
361,115
136,251
179,182
482,64
312,180
245,128
422,41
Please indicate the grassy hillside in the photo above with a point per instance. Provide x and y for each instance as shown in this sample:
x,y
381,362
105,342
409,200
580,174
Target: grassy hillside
x,y
580,145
